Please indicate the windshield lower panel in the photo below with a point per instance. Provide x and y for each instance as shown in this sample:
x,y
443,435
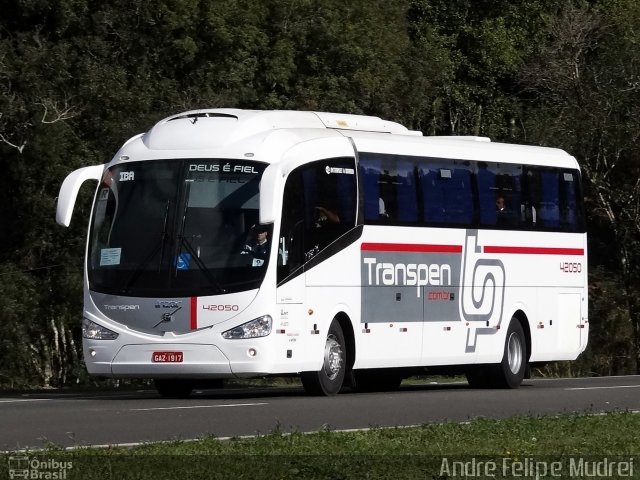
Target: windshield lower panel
x,y
172,228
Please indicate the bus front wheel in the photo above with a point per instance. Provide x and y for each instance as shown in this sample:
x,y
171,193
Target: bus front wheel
x,y
329,379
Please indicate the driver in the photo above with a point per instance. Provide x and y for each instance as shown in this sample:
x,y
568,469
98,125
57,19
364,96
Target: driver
x,y
259,245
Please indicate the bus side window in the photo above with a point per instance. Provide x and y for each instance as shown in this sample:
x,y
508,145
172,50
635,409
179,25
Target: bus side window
x,y
318,206
389,186
406,193
569,213
552,199
329,202
549,200
446,193
290,241
375,205
486,181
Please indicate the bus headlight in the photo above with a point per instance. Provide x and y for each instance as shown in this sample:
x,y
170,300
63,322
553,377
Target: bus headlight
x,y
94,331
258,327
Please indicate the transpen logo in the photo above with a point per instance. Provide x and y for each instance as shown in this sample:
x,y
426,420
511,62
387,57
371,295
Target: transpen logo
x,y
484,281
409,274
482,299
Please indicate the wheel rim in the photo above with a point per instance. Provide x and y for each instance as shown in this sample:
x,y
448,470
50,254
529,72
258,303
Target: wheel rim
x,y
514,353
333,357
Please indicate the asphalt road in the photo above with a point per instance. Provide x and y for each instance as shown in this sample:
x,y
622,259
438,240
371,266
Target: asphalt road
x,y
67,420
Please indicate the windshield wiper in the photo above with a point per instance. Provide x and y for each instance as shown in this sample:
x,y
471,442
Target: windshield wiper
x,y
158,246
201,266
194,255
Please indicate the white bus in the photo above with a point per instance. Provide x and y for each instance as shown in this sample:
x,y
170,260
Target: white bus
x,y
346,249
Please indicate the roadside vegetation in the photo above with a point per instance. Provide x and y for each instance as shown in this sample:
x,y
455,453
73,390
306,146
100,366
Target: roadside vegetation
x,y
416,452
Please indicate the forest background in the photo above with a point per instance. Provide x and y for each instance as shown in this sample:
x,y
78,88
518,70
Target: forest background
x,y
79,77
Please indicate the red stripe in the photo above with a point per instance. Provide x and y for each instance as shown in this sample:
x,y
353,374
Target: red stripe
x,y
194,313
413,248
534,250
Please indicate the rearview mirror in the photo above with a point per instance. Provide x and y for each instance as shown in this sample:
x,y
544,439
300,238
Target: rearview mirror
x,y
69,191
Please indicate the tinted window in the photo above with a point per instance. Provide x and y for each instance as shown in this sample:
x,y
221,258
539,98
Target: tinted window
x,y
446,192
319,205
176,228
554,198
403,190
390,190
499,194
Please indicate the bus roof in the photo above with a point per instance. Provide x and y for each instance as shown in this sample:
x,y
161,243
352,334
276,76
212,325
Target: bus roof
x,y
217,127
463,148
266,134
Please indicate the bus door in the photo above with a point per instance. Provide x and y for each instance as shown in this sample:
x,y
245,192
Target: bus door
x,y
290,291
319,205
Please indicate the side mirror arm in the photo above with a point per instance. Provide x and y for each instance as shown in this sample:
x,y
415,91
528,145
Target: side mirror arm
x,y
69,191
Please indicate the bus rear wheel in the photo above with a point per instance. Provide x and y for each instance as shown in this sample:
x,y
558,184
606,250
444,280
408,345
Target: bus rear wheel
x,y
510,372
329,379
173,387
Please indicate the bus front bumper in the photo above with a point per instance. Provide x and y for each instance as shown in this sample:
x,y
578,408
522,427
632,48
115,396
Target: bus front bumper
x,y
158,360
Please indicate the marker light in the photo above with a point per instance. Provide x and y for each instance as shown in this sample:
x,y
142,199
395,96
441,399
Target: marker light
x,y
258,327
94,331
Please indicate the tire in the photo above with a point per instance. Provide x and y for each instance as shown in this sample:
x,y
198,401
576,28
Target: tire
x,y
173,388
376,380
329,379
509,373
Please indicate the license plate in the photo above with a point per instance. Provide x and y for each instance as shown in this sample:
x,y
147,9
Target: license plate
x,y
167,357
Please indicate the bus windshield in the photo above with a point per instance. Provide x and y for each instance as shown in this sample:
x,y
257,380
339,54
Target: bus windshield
x,y
178,228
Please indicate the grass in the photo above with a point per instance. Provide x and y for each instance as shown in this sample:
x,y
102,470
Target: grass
x,y
416,452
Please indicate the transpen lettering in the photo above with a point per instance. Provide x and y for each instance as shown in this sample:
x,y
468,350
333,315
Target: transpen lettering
x,y
418,274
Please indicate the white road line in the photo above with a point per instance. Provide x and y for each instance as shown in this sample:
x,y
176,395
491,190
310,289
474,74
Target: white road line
x,y
20,400
548,379
199,406
603,388
308,432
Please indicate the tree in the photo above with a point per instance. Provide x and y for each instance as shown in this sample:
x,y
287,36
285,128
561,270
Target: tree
x,y
587,101
483,46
